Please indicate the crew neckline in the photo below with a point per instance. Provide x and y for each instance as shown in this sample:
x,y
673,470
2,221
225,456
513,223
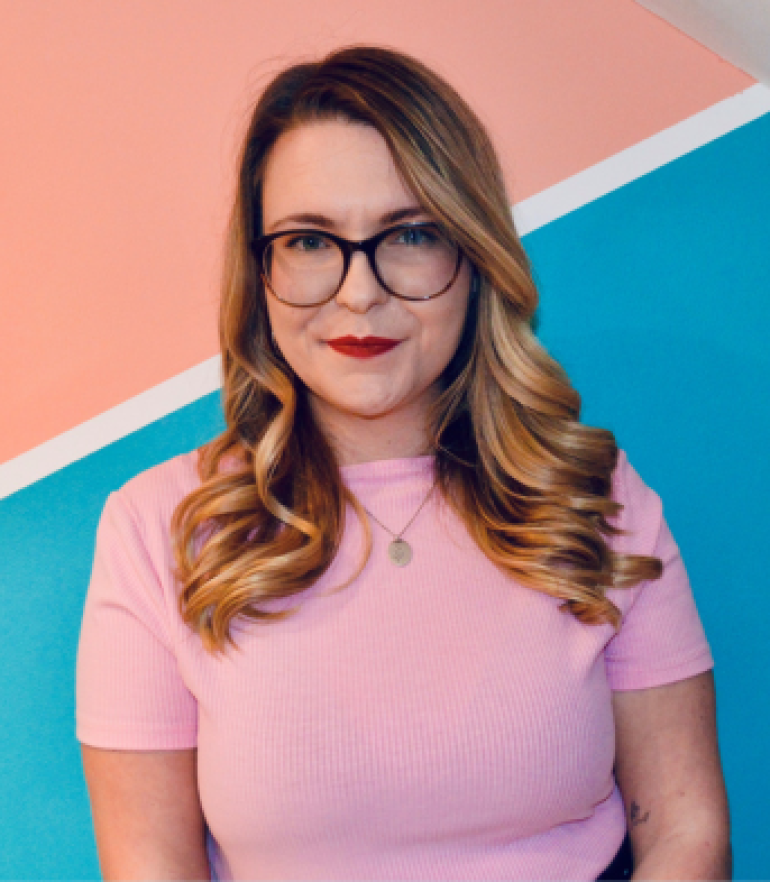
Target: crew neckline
x,y
378,469
374,470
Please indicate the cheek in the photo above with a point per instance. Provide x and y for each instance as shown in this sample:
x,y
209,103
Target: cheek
x,y
290,334
443,336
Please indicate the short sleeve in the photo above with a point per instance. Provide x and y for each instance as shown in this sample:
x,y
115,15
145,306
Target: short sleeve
x,y
130,694
661,639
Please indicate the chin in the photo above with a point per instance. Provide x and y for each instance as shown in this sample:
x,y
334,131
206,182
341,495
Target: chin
x,y
368,410
361,407
362,399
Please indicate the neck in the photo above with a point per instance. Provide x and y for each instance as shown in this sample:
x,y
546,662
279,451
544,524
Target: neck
x,y
356,439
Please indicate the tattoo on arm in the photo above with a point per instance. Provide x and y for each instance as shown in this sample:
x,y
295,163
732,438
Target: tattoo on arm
x,y
635,815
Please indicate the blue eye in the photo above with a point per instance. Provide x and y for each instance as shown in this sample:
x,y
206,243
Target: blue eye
x,y
416,236
307,243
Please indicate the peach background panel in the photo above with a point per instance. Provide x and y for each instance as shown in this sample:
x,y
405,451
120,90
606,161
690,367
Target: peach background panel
x,y
121,123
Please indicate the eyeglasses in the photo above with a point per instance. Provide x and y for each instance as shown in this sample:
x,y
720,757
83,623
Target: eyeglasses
x,y
308,267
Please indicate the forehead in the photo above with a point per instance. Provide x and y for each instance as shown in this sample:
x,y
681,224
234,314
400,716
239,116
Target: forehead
x,y
340,169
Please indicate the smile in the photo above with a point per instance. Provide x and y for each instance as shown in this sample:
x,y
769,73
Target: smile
x,y
363,347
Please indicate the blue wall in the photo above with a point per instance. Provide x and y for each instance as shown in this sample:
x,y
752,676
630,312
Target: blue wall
x,y
656,300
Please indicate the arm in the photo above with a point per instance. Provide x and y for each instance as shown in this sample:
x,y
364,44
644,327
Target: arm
x,y
147,815
669,774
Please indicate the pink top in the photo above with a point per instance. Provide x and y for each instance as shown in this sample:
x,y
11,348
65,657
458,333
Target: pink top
x,y
438,721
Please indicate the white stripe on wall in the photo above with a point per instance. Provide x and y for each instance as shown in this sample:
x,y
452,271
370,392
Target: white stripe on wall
x,y
529,215
641,159
112,425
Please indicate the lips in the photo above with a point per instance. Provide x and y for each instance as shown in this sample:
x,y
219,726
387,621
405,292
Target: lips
x,y
363,347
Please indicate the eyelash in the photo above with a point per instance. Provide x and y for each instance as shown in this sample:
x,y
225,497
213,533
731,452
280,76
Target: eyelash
x,y
292,242
426,229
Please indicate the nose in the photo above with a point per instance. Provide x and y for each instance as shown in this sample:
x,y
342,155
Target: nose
x,y
360,290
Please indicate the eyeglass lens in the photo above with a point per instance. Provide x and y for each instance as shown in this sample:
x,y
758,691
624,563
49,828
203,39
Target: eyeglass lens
x,y
306,268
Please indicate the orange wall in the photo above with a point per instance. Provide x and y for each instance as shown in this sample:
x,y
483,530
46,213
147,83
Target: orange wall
x,y
120,128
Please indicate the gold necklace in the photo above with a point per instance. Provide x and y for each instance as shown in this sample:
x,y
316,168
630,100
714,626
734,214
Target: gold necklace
x,y
399,550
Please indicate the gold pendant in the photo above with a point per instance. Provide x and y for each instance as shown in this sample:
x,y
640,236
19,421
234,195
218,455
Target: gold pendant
x,y
400,552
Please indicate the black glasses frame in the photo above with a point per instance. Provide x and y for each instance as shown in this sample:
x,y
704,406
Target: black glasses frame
x,y
348,247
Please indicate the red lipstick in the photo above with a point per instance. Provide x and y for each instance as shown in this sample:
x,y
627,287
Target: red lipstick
x,y
362,347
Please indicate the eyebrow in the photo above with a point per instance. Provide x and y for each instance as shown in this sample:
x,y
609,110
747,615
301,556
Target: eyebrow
x,y
320,220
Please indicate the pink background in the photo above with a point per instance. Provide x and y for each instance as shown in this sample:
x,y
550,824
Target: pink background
x,y
121,127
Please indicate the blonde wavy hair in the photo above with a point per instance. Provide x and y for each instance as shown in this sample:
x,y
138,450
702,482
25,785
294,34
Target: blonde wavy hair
x,y
531,484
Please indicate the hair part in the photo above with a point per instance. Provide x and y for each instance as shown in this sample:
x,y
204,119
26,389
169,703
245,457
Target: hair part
x,y
531,483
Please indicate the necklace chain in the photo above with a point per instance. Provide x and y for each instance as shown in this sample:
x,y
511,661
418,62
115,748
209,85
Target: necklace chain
x,y
397,536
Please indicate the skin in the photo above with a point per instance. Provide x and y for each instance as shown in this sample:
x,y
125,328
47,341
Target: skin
x,y
669,773
148,820
374,408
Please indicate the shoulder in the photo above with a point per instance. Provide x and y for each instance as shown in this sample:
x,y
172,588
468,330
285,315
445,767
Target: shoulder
x,y
642,512
144,505
163,486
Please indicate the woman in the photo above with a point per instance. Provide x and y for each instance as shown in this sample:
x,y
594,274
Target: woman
x,y
407,617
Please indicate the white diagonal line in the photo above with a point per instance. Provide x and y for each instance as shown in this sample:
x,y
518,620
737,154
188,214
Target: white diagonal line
x,y
112,425
641,159
529,215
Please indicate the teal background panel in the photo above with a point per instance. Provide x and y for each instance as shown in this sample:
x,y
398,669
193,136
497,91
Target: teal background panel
x,y
49,531
655,300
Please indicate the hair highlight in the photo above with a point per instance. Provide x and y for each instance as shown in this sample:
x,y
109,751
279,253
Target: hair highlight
x,y
531,483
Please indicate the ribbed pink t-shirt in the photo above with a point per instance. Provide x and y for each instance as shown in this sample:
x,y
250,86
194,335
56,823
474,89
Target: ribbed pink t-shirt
x,y
436,721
